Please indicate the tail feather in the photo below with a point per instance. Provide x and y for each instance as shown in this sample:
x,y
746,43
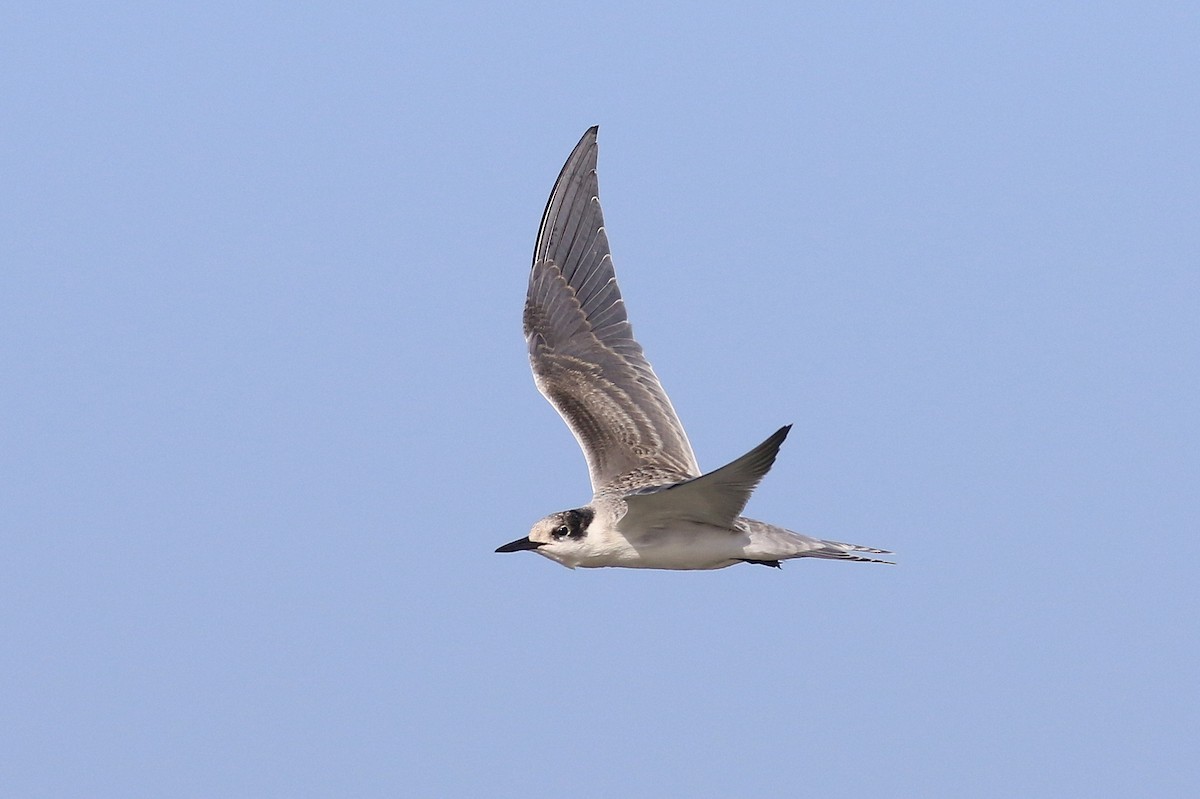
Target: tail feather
x,y
836,550
768,542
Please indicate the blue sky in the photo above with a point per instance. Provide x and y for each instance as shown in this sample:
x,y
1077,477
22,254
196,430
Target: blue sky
x,y
265,409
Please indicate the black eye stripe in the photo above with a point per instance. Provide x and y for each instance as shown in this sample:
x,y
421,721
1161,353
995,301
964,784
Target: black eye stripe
x,y
579,519
574,524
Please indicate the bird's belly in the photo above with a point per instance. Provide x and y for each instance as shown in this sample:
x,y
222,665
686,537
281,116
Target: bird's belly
x,y
693,547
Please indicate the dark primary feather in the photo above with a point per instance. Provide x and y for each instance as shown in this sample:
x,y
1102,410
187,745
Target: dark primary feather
x,y
581,346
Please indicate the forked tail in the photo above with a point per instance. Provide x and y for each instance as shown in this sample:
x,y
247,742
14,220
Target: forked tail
x,y
836,550
771,543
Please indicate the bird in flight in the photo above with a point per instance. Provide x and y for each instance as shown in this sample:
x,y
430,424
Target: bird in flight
x,y
651,507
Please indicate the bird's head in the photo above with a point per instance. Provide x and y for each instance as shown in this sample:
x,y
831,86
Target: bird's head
x,y
560,536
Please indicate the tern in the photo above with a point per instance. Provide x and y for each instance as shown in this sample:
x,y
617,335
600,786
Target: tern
x,y
651,508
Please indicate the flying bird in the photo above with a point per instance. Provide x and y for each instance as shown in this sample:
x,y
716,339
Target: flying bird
x,y
651,506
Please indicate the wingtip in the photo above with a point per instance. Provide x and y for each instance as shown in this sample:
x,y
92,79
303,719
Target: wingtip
x,y
589,136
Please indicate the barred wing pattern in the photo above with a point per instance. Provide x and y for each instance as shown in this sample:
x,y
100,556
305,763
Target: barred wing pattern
x,y
581,347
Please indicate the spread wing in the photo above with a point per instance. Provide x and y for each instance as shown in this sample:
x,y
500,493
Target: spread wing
x,y
716,499
581,346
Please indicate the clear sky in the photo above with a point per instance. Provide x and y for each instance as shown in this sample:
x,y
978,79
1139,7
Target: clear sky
x,y
265,409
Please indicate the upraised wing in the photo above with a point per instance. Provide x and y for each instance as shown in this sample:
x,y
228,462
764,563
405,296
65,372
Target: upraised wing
x,y
716,499
581,346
